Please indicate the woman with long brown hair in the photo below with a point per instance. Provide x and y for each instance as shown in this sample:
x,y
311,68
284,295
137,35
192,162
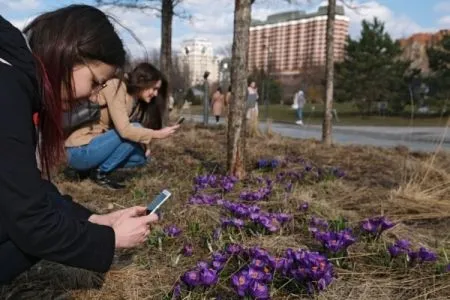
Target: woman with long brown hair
x,y
131,117
71,53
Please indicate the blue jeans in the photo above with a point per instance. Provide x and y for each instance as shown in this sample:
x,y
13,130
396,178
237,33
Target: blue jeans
x,y
106,152
300,113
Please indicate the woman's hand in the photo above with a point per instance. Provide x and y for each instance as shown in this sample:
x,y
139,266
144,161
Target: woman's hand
x,y
111,218
166,132
133,228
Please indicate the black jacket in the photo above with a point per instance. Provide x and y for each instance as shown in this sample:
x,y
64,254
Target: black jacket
x,y
33,215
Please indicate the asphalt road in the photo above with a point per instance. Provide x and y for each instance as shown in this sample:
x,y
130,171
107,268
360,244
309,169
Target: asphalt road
x,y
416,138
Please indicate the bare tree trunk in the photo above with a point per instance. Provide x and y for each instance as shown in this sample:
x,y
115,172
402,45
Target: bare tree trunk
x,y
166,46
236,119
166,37
329,67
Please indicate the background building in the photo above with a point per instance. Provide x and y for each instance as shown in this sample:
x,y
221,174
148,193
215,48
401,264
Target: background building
x,y
415,48
287,43
197,56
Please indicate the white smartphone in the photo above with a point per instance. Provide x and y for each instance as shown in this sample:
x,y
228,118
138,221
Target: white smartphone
x,y
158,201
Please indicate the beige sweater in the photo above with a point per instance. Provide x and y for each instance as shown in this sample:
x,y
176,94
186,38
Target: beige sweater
x,y
116,115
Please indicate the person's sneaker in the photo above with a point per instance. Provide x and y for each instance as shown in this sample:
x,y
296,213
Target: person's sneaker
x,y
104,180
75,175
299,122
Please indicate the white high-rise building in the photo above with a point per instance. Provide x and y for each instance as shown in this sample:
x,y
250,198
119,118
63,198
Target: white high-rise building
x,y
197,55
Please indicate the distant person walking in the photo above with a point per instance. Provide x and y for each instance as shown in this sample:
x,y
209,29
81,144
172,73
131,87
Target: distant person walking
x,y
252,101
218,101
300,100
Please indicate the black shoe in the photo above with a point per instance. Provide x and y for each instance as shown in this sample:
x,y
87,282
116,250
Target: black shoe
x,y
104,180
75,175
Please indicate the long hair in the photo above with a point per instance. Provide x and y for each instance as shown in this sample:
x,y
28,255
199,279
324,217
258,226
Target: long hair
x,y
60,40
143,76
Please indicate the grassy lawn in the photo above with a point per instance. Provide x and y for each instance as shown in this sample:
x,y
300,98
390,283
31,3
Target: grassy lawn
x,y
410,189
313,115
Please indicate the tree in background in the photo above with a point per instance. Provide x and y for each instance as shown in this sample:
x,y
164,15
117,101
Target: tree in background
x,y
439,81
236,119
166,8
329,74
371,70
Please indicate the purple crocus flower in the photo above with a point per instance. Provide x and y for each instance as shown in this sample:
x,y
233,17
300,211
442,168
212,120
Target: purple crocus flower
x,y
208,277
338,173
400,247
220,256
234,249
187,250
403,244
259,290
282,217
176,292
256,252
258,263
318,223
202,265
394,251
204,199
191,278
369,226
335,241
254,217
241,282
227,222
172,231
426,255
376,225
217,265
386,224
255,274
304,207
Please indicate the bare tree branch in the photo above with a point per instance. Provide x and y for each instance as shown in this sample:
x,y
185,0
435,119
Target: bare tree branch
x,y
143,5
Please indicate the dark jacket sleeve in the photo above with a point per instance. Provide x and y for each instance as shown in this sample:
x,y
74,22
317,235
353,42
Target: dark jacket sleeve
x,y
65,203
29,211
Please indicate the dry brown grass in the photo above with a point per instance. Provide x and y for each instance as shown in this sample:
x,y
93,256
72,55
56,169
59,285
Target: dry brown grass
x,y
411,188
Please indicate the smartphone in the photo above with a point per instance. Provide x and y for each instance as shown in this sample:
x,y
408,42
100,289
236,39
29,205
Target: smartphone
x,y
158,201
180,120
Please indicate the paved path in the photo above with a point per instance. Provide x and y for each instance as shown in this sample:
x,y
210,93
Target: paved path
x,y
415,138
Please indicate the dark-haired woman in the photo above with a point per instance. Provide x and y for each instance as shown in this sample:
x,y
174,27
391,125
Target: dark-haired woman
x,y
71,53
131,118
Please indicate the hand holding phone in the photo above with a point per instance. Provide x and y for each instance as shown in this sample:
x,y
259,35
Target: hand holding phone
x,y
158,201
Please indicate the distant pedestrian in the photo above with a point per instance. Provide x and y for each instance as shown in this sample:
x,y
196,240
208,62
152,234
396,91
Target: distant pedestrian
x,y
252,101
218,101
300,100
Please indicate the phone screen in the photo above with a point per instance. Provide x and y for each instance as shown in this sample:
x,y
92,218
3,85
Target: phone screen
x,y
158,201
180,120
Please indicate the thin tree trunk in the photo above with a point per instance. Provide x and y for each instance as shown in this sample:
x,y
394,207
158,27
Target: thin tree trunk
x,y
239,73
167,11
166,37
329,67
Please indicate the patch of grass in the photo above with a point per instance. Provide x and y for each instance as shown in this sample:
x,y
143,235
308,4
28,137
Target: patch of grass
x,y
410,188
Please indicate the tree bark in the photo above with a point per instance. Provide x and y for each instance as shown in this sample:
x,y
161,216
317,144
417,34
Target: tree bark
x,y
329,73
236,120
167,11
166,37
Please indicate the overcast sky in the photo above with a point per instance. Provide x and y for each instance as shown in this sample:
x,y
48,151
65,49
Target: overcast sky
x,y
214,19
